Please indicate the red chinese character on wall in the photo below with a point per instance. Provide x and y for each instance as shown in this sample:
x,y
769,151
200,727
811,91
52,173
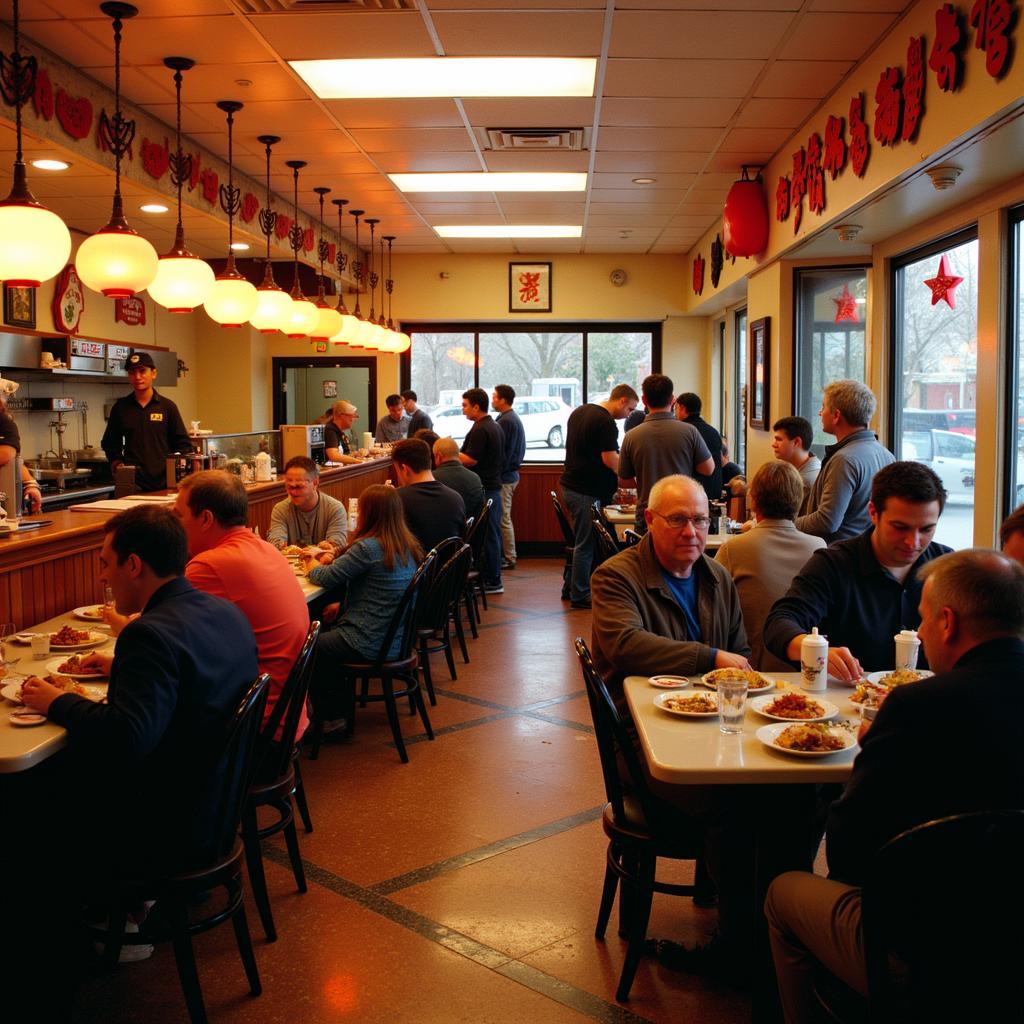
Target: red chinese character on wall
x,y
860,148
193,178
308,240
782,199
155,158
991,20
815,176
75,115
946,58
529,286
888,104
798,186
835,146
913,89
211,185
282,226
698,274
250,206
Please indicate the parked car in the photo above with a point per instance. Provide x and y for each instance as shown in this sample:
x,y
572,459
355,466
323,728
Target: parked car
x,y
544,420
950,455
958,421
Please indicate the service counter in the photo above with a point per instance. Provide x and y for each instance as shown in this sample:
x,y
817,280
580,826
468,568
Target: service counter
x,y
45,572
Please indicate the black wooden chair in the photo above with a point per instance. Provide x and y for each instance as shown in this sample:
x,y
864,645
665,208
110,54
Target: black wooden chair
x,y
476,537
570,543
439,606
175,892
630,538
640,828
275,783
404,667
605,545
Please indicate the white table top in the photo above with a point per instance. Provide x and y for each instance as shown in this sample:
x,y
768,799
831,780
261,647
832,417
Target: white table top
x,y
691,751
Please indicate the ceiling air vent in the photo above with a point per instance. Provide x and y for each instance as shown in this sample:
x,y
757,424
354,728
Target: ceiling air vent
x,y
322,6
544,139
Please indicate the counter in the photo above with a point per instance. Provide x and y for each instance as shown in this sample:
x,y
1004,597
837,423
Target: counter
x,y
46,572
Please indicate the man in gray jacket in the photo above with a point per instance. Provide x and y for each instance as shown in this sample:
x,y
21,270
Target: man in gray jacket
x,y
837,506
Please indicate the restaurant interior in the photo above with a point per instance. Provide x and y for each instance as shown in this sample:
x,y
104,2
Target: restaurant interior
x,y
754,197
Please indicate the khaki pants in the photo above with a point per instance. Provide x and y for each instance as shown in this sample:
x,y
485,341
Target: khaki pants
x,y
813,921
508,534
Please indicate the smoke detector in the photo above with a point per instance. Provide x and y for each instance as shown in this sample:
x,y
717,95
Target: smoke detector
x,y
944,176
847,232
618,277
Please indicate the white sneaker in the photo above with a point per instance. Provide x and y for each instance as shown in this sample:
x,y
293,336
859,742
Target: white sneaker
x,y
129,954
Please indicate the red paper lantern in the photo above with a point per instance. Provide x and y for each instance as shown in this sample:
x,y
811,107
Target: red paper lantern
x,y
745,217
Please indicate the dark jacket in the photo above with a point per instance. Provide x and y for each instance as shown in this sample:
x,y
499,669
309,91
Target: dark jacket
x,y
713,439
845,592
461,478
179,672
639,629
515,445
942,746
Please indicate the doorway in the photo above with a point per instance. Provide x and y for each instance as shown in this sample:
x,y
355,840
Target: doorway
x,y
305,388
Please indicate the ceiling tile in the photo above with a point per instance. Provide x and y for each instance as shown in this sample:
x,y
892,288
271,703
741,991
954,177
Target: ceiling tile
x,y
513,160
403,163
69,38
513,33
663,201
323,36
665,180
707,35
788,113
277,118
403,113
689,220
448,211
544,213
531,112
857,6
813,78
733,162
680,77
700,209
846,36
430,140
650,164
742,139
598,219
657,140
670,113
701,5
331,165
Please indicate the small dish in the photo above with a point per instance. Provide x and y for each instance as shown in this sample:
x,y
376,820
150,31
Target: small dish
x,y
669,682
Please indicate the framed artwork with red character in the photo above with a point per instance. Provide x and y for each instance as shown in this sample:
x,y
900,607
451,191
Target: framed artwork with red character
x,y
529,287
759,340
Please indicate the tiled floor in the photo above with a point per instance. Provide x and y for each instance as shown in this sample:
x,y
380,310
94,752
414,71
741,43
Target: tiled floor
x,y
460,887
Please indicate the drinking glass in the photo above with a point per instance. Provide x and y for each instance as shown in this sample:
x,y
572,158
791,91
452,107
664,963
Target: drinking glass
x,y
9,653
732,696
108,596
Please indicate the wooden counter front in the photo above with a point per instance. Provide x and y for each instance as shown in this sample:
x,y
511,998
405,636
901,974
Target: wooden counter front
x,y
46,572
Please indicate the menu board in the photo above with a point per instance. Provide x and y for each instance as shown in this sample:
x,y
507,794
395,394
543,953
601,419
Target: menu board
x,y
116,355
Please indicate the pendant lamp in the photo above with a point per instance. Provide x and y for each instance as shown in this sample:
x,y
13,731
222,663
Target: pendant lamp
x,y
34,242
183,281
273,304
359,327
346,332
328,319
402,340
117,261
302,314
233,299
386,337
370,333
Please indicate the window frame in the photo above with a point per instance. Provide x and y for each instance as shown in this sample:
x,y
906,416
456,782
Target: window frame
x,y
737,432
1014,353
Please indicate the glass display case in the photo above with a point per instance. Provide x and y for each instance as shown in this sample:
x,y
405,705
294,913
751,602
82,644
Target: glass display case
x,y
232,451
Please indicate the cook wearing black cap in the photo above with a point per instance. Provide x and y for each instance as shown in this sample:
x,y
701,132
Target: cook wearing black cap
x,y
144,427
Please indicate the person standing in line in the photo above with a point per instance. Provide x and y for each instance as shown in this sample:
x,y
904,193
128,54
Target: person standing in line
x,y
661,446
484,451
515,451
591,474
394,426
791,442
418,419
688,410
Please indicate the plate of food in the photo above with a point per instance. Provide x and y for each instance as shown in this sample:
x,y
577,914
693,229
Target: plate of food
x,y
669,682
89,612
898,677
691,705
756,683
73,669
12,692
868,694
808,739
793,706
67,638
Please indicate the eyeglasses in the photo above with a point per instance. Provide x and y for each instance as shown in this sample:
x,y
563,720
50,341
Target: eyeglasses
x,y
682,522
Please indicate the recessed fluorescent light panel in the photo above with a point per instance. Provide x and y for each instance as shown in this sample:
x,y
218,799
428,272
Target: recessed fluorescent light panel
x,y
497,181
510,231
406,77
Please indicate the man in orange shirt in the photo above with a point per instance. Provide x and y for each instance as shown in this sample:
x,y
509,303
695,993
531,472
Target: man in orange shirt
x,y
230,561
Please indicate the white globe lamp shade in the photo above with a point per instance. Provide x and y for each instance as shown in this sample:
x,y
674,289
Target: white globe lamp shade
x,y
182,282
273,307
366,334
404,342
34,243
328,323
349,329
302,318
116,262
232,300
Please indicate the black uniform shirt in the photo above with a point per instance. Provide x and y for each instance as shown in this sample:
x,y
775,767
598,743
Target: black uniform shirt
x,y
144,436
9,431
335,437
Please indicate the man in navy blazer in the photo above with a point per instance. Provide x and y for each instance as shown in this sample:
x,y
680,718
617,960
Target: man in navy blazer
x,y
177,675
972,628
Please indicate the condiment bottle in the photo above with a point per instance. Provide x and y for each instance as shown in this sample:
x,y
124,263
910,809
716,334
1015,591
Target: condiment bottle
x,y
814,661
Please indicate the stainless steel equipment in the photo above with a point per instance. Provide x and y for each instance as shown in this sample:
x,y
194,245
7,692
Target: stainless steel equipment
x,y
10,487
180,466
303,439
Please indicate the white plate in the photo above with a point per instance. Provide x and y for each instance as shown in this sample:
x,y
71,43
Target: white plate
x,y
876,677
661,697
12,692
669,682
54,666
709,682
85,612
95,639
767,735
760,703
26,720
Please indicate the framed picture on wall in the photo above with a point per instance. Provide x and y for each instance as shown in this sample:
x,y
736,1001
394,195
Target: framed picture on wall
x,y
529,287
19,306
758,358
330,389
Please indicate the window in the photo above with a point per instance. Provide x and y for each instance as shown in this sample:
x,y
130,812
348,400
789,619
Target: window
x,y
738,441
552,371
1015,433
830,308
935,374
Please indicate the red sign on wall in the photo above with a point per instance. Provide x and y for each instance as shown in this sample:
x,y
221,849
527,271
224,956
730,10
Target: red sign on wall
x,y
130,311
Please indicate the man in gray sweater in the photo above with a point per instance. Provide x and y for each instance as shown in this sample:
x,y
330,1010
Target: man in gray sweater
x,y
306,516
837,506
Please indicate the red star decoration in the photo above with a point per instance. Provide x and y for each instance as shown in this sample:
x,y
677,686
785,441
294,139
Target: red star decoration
x,y
943,284
846,306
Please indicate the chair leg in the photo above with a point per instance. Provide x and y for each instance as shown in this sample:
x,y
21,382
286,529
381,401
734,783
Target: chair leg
x,y
387,685
449,655
640,915
117,920
424,718
257,878
292,842
627,890
611,883
244,940
483,593
300,796
364,691
469,600
425,665
460,633
566,581
184,957
317,727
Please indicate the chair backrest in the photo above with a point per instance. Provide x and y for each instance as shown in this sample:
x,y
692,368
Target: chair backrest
x,y
477,534
563,521
605,543
446,583
288,709
404,622
467,528
236,767
945,899
631,537
614,744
